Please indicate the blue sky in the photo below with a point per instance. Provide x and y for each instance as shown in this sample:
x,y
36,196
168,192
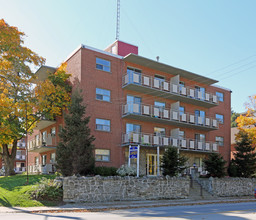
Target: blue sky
x,y
216,38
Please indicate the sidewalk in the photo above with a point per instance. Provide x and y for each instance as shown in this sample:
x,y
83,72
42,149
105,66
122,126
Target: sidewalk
x,y
90,207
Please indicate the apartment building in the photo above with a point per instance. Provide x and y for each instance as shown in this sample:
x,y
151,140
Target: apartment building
x,y
139,104
20,160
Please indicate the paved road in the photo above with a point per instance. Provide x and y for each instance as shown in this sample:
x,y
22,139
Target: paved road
x,y
234,211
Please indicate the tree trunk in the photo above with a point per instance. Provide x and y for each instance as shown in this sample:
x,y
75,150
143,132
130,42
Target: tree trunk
x,y
9,158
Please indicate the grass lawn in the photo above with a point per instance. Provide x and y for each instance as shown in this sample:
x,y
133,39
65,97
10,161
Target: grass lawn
x,y
13,191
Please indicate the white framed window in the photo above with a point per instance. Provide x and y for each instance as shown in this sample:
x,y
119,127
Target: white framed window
x,y
219,140
102,124
102,155
53,131
103,94
44,136
159,131
43,160
102,64
220,118
36,160
53,157
220,96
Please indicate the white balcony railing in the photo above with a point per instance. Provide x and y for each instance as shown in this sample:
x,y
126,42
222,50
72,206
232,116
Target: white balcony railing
x,y
168,87
182,143
36,143
20,157
169,114
20,169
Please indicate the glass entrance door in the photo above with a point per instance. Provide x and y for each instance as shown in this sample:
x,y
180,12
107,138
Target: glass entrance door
x,y
133,100
152,164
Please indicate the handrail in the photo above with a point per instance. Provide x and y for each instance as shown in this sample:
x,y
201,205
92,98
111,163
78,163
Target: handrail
x,y
169,114
166,86
158,140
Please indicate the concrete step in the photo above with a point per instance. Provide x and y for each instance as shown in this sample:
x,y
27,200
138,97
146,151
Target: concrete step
x,y
196,192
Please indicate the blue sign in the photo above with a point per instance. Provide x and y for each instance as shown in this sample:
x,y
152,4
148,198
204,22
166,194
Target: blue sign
x,y
133,152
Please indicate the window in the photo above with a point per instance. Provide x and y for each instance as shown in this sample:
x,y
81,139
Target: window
x,y
159,131
182,85
103,94
102,64
131,100
198,91
36,160
37,140
219,140
102,124
220,96
182,110
133,70
201,114
53,157
43,160
102,155
161,79
53,131
44,136
160,105
220,118
181,134
200,137
132,128
134,75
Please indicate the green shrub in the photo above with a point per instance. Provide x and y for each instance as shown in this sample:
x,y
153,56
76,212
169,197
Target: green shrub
x,y
47,189
126,171
105,171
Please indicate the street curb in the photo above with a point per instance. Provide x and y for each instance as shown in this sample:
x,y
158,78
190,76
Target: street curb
x,y
120,207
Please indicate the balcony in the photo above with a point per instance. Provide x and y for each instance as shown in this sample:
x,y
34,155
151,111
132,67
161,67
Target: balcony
x,y
151,140
169,90
20,157
168,116
44,123
44,169
20,169
41,146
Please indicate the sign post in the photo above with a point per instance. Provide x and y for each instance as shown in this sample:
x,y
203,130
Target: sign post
x,y
138,161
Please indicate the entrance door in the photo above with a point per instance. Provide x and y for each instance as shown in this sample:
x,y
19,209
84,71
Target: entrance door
x,y
152,164
133,100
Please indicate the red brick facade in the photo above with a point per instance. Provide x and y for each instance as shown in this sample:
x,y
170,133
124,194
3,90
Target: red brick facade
x,y
82,66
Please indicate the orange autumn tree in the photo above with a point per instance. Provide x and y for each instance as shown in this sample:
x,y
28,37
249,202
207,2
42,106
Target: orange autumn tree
x,y
22,102
247,122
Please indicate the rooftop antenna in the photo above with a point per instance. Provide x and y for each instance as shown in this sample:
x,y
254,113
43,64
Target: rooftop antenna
x,y
118,20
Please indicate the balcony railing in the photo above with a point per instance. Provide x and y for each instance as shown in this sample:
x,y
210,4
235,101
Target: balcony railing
x,y
20,169
41,145
148,84
165,115
20,157
45,169
182,143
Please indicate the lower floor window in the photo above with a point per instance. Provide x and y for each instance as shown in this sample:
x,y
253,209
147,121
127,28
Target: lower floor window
x,y
102,155
219,141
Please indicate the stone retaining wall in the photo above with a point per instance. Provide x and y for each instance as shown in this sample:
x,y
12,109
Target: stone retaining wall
x,y
96,189
229,186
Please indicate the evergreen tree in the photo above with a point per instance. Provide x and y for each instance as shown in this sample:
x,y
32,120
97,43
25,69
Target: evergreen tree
x,y
172,162
215,165
75,151
245,155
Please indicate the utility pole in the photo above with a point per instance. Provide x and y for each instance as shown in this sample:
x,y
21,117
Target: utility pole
x,y
118,20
